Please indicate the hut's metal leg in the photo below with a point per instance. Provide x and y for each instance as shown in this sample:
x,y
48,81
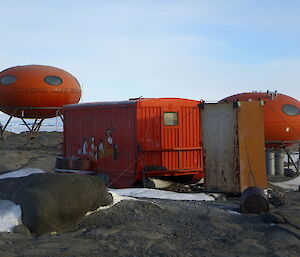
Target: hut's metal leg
x,y
290,158
29,128
34,129
58,113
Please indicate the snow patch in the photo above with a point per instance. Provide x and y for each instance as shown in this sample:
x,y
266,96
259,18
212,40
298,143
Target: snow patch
x,y
10,215
116,199
235,212
162,194
133,193
292,184
21,173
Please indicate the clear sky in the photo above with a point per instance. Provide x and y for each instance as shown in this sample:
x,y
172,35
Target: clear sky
x,y
120,49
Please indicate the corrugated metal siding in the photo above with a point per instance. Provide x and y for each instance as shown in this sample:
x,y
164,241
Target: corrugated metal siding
x,y
143,140
170,140
72,132
190,138
182,143
170,147
114,131
149,134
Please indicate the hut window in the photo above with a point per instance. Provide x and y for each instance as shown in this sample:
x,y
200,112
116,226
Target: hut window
x,y
170,118
7,80
53,80
290,110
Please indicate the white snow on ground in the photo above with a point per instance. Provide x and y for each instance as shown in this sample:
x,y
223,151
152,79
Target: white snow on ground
x,y
133,193
162,194
21,173
116,199
234,212
10,215
292,184
17,126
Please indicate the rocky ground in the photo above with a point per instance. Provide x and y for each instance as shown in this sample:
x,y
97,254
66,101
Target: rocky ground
x,y
148,227
17,151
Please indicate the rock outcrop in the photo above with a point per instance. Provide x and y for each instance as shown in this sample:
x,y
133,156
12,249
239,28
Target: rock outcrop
x,y
54,202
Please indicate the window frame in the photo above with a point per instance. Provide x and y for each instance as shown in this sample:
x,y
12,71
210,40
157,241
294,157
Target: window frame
x,y
173,124
286,112
53,76
6,76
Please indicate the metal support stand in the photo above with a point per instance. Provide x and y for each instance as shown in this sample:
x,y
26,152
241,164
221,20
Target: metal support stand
x,y
58,113
298,158
37,122
34,129
26,124
290,159
3,128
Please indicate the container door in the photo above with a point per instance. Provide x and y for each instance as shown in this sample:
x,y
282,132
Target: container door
x,y
170,142
220,143
233,141
180,140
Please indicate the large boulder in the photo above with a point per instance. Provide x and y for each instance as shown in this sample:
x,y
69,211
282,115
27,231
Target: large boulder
x,y
54,202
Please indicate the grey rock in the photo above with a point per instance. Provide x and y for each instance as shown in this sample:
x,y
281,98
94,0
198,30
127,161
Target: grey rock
x,y
54,202
21,229
250,246
277,198
272,217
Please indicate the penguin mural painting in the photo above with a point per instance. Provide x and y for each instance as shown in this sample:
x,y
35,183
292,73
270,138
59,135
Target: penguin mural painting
x,y
128,141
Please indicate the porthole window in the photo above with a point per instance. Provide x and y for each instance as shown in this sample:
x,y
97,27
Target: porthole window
x,y
290,110
170,118
53,80
8,79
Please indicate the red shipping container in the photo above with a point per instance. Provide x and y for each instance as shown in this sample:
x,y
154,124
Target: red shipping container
x,y
130,140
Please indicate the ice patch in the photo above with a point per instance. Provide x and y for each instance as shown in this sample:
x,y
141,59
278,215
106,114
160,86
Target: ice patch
x,y
292,184
21,173
162,194
10,215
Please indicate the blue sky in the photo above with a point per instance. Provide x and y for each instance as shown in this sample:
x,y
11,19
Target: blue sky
x,y
121,49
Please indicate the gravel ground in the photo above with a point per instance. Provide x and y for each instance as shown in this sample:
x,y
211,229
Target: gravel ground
x,y
170,228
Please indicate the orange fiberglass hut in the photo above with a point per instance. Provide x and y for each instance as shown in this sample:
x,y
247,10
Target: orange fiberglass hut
x,y
130,140
36,91
281,115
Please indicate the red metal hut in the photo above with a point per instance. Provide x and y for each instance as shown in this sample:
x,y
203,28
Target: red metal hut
x,y
129,140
